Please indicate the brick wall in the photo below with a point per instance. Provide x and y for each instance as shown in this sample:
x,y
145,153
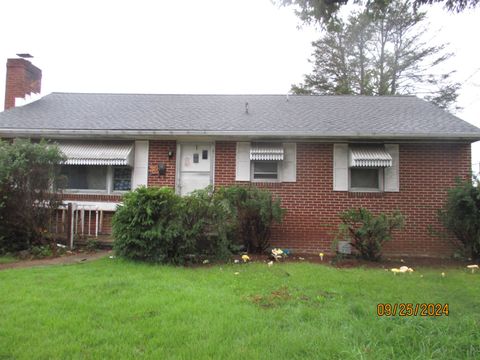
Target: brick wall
x,y
158,153
426,171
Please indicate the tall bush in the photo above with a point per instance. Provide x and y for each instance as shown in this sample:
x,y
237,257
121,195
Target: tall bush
x,y
367,232
156,225
207,221
148,226
255,211
29,177
461,215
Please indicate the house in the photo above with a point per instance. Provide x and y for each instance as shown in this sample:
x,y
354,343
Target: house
x,y
320,154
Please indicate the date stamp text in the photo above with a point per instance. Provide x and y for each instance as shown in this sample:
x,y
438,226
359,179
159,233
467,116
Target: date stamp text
x,y
410,309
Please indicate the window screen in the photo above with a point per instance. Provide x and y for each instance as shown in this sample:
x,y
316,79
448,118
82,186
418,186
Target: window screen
x,y
364,178
265,170
84,177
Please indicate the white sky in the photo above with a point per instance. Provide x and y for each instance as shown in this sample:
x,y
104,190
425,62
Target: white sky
x,y
191,46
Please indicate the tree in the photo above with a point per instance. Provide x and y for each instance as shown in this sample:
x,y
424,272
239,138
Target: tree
x,y
323,11
29,175
461,216
380,52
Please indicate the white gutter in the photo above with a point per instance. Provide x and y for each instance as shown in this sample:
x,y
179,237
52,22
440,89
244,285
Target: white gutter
x,y
81,133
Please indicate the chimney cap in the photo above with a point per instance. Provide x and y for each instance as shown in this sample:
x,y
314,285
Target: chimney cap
x,y
25,55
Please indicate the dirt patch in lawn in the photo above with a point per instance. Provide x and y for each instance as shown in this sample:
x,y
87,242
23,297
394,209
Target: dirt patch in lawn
x,y
72,258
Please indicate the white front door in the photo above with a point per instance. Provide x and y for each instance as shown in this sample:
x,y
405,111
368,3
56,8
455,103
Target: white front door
x,y
195,167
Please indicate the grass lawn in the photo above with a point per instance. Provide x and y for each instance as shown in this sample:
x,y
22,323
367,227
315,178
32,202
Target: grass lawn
x,y
113,309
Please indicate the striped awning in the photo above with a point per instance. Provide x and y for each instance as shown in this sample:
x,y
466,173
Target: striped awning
x,y
97,153
369,156
266,152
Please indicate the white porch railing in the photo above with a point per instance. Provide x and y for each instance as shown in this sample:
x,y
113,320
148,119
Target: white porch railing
x,y
78,220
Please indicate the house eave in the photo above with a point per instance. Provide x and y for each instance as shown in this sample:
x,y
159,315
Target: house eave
x,y
307,135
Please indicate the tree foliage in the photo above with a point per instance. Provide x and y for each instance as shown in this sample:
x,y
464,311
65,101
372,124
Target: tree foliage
x,y
28,173
323,11
367,232
381,52
461,215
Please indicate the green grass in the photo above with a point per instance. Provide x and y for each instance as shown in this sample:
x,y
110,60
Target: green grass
x,y
7,259
113,309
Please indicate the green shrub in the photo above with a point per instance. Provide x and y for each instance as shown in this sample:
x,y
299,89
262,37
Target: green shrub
x,y
41,251
254,212
368,233
27,202
207,221
461,215
156,225
148,226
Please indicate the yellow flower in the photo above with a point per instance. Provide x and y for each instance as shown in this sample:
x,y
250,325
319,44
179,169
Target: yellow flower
x,y
321,256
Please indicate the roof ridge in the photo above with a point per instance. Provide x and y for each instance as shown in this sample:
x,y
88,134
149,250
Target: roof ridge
x,y
214,94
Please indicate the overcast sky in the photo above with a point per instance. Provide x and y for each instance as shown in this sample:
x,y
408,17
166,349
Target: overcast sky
x,y
191,46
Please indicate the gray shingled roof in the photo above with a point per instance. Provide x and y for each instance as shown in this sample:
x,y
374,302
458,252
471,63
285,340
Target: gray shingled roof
x,y
268,115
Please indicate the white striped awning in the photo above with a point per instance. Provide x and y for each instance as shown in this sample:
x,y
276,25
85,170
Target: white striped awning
x,y
369,156
96,153
266,152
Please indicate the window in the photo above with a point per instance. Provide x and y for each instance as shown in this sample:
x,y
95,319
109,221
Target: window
x,y
122,179
97,178
366,179
265,170
366,167
81,177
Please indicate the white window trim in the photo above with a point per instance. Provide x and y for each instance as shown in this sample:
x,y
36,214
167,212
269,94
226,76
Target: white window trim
x,y
381,184
279,172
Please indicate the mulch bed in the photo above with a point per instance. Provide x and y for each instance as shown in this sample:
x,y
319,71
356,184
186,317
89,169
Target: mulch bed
x,y
353,262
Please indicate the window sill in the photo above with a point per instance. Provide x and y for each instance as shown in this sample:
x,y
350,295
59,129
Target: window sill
x,y
266,181
94,192
85,192
366,194
364,190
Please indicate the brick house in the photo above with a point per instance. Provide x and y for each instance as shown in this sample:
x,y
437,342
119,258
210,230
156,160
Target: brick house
x,y
319,154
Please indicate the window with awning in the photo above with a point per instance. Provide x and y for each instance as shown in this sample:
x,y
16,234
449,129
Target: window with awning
x,y
367,164
264,159
97,166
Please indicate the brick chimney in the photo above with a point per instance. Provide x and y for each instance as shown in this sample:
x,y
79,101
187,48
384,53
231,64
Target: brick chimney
x,y
23,78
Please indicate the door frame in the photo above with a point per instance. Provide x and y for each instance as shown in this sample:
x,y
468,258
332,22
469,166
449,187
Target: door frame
x,y
178,160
